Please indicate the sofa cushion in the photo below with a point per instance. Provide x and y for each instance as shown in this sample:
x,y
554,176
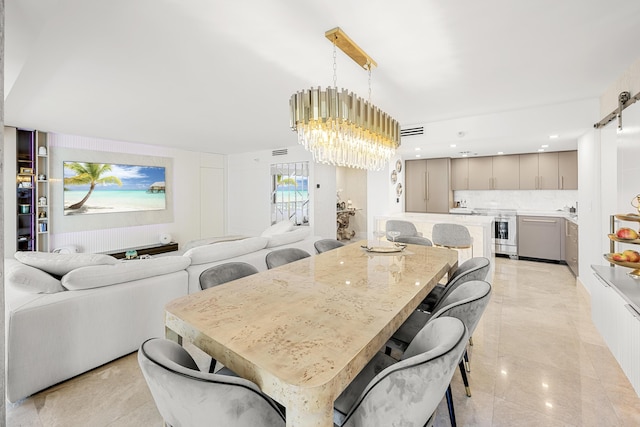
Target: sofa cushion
x,y
296,235
224,250
30,279
96,276
278,228
210,240
61,264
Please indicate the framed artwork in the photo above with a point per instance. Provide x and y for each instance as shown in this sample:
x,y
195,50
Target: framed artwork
x,y
398,166
394,176
399,189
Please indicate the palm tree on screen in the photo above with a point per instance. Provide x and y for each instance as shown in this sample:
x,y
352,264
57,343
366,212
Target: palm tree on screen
x,y
89,173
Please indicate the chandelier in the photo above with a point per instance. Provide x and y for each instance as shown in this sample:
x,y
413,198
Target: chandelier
x,y
339,127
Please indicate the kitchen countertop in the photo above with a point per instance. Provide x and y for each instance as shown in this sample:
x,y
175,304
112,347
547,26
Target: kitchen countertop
x,y
555,213
618,279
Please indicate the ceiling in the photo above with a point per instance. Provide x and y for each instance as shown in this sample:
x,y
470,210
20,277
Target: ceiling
x,y
216,76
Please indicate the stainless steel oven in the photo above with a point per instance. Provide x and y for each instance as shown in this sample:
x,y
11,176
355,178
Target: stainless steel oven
x,y
504,230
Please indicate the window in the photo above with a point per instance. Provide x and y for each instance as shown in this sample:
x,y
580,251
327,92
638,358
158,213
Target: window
x,y
290,192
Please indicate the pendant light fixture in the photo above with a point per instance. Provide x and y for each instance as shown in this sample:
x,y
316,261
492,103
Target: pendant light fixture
x,y
339,127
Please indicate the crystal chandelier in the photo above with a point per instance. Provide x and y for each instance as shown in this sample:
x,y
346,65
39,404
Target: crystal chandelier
x,y
339,127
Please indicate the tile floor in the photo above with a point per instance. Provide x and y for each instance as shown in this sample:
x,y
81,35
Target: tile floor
x,y
537,360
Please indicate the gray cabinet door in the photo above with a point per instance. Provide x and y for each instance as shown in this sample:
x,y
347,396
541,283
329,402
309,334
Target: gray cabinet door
x,y
480,173
460,174
415,185
568,170
439,196
529,171
540,237
506,172
548,171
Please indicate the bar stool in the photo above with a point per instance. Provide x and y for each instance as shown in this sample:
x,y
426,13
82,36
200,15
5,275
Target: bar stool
x,y
452,236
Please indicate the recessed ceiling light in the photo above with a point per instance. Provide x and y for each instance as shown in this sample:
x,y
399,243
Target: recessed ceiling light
x,y
545,145
500,152
453,146
418,148
553,136
464,155
540,149
418,155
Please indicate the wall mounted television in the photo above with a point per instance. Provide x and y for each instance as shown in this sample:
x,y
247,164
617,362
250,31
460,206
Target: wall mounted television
x,y
99,188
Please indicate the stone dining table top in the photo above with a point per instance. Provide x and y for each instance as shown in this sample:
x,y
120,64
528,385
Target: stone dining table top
x,y
304,330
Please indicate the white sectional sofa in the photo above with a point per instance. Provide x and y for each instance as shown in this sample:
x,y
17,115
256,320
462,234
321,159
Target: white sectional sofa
x,y
69,313
105,313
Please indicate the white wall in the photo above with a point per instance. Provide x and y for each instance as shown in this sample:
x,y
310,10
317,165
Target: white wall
x,y
186,197
249,189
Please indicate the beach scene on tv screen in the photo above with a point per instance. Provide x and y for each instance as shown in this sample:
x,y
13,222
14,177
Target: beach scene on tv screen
x,y
98,188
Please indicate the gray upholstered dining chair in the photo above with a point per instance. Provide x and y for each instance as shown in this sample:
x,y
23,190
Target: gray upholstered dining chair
x,y
284,256
223,273
186,396
475,268
453,236
406,228
407,392
467,302
324,245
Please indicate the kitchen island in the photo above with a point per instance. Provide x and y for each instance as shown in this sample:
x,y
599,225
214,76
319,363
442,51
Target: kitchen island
x,y
479,227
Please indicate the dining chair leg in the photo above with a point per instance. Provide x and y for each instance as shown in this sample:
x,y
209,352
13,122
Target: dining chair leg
x,y
452,412
212,366
467,365
465,380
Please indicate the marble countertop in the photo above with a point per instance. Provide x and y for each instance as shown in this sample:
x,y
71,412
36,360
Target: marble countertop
x,y
555,213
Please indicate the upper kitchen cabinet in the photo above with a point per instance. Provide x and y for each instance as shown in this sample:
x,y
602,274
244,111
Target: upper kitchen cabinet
x,y
460,174
480,173
427,186
539,171
485,173
568,170
506,172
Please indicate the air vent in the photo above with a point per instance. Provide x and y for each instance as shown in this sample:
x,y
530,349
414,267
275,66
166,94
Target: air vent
x,y
412,131
281,152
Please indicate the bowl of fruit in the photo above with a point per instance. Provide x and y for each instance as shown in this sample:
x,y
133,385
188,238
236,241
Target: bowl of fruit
x,y
626,235
628,258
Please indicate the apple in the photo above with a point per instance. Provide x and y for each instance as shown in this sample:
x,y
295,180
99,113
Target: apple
x,y
619,257
627,234
632,256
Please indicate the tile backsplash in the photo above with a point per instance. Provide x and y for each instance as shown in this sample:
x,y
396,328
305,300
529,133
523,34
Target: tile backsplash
x,y
538,200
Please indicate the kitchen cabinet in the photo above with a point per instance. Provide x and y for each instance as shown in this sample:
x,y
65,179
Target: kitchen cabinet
x,y
539,171
571,246
540,237
480,173
485,173
568,170
617,318
506,172
428,185
460,174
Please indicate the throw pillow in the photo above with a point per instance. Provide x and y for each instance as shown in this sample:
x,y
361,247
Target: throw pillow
x,y
300,233
31,280
278,228
61,264
97,276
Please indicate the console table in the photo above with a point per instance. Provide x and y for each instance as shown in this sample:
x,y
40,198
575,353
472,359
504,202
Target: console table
x,y
146,250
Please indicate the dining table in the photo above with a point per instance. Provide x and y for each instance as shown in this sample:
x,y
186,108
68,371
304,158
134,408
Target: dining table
x,y
304,330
